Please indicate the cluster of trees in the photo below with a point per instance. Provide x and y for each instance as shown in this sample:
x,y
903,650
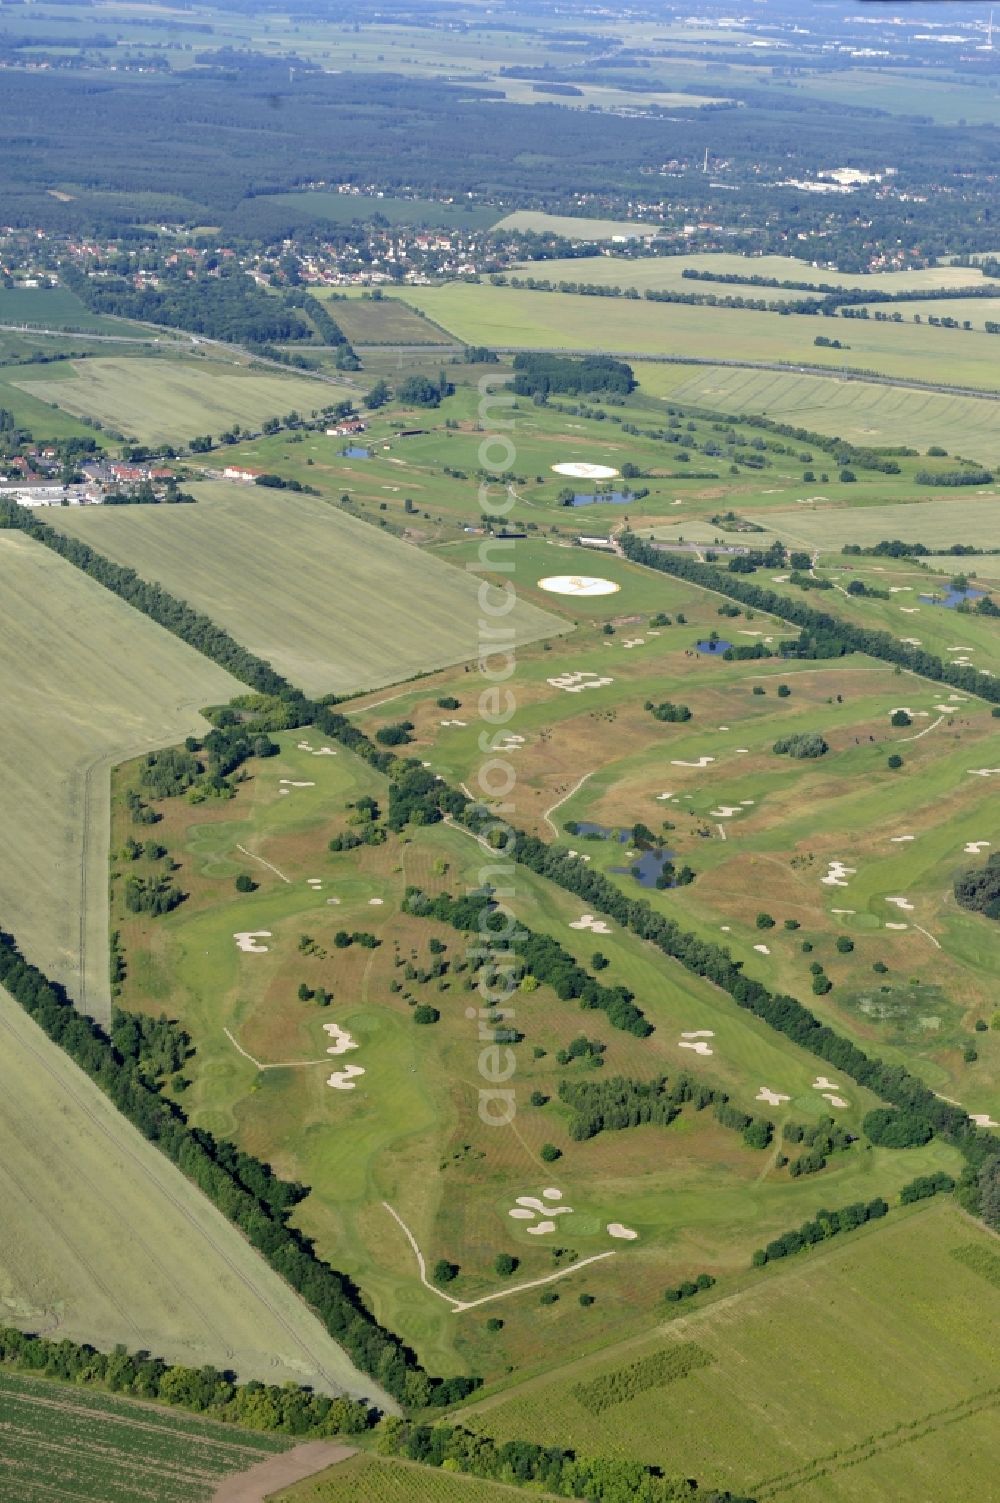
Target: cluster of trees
x,y
902,1128
667,710
535,955
655,1371
954,477
551,1469
823,1225
821,1139
152,895
689,1288
537,375
289,1409
924,1186
619,1103
244,1189
805,744
821,635
978,888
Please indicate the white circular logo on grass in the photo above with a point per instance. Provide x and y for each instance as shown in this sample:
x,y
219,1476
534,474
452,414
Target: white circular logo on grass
x,y
578,584
579,471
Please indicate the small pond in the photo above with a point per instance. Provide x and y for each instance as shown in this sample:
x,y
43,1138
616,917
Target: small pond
x,y
354,452
953,598
596,498
714,649
646,867
585,829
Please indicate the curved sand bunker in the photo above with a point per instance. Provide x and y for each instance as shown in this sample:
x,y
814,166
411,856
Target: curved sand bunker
x,y
343,1080
589,921
624,1233
773,1098
578,680
342,1040
246,941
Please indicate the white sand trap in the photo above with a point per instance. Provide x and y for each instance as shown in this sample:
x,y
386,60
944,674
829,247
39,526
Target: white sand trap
x,y
578,584
762,949
623,1233
984,772
957,698
744,633
773,1098
342,1040
912,641
454,722
843,910
540,1208
779,578
660,797
903,902
973,847
305,746
742,751
635,642
578,470
923,714
284,792
518,1214
551,1193
960,649
725,811
837,874
746,802
900,839
375,902
822,1084
333,901
726,928
723,727
325,751
699,1046
897,926
343,1080
246,941
900,589
699,1033
701,762
540,1228
291,783
589,921
910,610
834,1100
983,1119
576,682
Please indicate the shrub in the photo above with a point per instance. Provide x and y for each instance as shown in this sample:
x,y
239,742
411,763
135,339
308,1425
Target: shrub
x,y
900,717
549,1153
792,924
586,1300
844,944
549,1297
783,691
765,921
894,761
821,985
809,744
424,1013
444,1271
494,1323
505,1263
449,702
538,1098
245,883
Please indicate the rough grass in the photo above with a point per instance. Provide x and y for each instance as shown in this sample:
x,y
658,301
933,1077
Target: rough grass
x,y
58,308
103,1240
838,1376
89,1447
367,1479
964,514
329,601
76,700
386,320
170,400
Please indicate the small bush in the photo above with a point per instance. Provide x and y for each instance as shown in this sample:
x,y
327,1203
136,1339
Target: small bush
x,y
549,1153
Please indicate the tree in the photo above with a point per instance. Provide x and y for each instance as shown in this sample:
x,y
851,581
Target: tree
x,y
505,1264
380,394
844,944
549,1153
888,1128
425,1014
894,760
444,1272
765,921
989,1191
245,883
900,717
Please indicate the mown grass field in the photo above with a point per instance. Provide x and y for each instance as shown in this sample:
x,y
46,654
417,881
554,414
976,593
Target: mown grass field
x,y
513,319
104,1241
371,1479
861,1370
574,227
383,320
82,1446
330,602
58,308
966,514
860,411
667,273
86,681
171,400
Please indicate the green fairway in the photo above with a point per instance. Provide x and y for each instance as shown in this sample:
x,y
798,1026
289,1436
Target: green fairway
x,y
85,681
333,604
515,319
170,400
66,1441
105,1241
861,1370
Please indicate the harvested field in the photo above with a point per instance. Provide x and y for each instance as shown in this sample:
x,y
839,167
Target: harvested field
x,y
330,602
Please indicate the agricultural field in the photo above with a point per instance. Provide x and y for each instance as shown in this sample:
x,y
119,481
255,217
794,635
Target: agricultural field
x,y
966,514
61,1440
86,705
862,1370
666,273
508,318
383,320
861,411
58,308
346,208
153,1265
168,400
309,588
371,1479
573,227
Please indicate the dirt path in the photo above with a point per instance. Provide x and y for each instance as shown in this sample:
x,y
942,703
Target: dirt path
x,y
559,802
264,863
277,1472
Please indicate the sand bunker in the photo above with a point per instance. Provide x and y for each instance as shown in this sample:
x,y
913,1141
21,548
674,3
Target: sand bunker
x,y
578,470
343,1080
897,926
725,811
551,1194
578,584
984,772
698,1045
912,641
983,1119
773,1098
741,751
834,1100
849,911
624,1233
837,873
540,1228
454,722
342,1040
246,941
634,642
899,839
762,949
973,847
305,746
325,751
822,1084
291,783
903,902
375,902
900,589
699,1033
573,683
536,1206
923,714
594,924
910,610
333,900
701,762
